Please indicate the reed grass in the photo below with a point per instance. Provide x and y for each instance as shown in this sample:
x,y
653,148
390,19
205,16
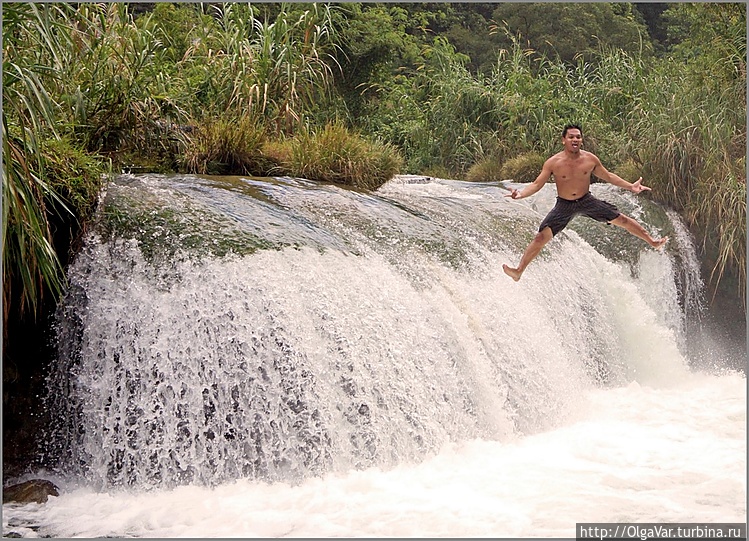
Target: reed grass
x,y
30,263
719,202
274,69
692,148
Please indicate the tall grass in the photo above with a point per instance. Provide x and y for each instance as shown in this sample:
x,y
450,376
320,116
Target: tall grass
x,y
720,201
275,71
30,263
226,146
91,75
102,71
334,154
692,146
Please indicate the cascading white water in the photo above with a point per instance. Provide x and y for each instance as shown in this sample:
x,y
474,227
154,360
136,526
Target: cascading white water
x,y
277,330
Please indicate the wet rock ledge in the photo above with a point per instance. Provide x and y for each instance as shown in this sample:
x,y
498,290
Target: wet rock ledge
x,y
34,490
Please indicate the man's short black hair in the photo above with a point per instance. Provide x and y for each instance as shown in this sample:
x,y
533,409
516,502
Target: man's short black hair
x,y
571,126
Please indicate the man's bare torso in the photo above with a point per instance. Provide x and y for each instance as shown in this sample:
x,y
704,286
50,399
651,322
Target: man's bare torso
x,y
572,173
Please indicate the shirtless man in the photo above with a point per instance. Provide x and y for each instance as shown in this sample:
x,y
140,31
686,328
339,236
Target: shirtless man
x,y
572,169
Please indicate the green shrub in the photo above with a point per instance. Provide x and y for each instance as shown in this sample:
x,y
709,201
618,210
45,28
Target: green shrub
x,y
488,169
523,168
226,146
337,155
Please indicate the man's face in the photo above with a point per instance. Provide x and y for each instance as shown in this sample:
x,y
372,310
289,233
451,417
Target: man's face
x,y
573,140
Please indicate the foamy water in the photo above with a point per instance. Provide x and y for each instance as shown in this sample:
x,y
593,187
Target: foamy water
x,y
632,454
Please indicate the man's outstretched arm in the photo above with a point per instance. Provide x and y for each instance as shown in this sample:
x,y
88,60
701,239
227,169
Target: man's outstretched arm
x,y
526,191
604,174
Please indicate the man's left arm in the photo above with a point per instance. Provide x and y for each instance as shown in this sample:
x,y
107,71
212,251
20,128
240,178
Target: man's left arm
x,y
604,174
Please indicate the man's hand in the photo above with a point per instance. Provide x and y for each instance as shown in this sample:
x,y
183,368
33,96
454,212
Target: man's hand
x,y
637,187
515,194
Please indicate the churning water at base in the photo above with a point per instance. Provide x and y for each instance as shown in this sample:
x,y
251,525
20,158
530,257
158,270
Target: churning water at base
x,y
633,453
246,357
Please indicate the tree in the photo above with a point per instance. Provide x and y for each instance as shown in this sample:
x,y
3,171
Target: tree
x,y
711,38
651,13
377,43
569,30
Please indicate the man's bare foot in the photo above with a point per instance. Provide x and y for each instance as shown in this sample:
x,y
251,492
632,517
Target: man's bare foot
x,y
658,243
512,273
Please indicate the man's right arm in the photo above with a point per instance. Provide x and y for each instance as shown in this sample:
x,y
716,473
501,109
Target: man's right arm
x,y
542,178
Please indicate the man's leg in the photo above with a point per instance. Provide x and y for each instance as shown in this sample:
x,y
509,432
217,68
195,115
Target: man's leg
x,y
533,249
634,227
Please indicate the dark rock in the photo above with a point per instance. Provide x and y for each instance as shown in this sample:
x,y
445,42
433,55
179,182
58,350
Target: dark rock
x,y
35,490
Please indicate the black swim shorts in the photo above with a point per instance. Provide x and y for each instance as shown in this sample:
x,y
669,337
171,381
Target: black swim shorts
x,y
587,205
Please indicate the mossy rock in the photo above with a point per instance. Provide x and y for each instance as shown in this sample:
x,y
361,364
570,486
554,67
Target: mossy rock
x,y
75,175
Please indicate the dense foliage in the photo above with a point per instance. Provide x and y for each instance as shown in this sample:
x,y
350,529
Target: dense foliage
x,y
460,90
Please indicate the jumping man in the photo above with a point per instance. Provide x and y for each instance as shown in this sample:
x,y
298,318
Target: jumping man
x,y
572,169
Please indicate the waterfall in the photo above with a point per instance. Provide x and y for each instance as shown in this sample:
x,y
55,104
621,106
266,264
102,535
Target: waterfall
x,y
219,328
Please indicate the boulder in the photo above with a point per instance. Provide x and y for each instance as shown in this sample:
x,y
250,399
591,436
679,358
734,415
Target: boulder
x,y
35,490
